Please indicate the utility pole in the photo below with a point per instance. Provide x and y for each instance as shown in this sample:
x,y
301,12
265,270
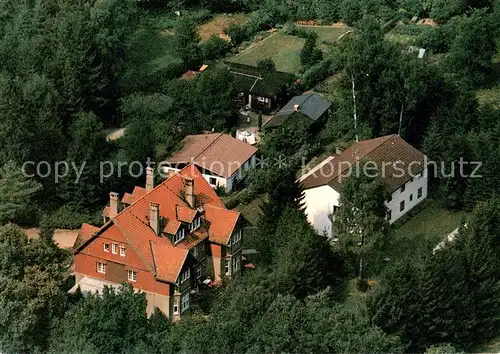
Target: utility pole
x,y
400,119
354,109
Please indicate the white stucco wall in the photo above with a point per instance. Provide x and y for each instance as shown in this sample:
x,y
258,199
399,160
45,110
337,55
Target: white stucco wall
x,y
226,183
411,188
319,203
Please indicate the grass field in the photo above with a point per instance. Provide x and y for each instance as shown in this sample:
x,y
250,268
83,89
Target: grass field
x,y
219,23
424,230
327,34
286,59
284,49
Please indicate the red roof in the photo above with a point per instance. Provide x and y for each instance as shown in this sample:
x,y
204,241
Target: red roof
x,y
158,253
189,75
385,152
87,231
219,153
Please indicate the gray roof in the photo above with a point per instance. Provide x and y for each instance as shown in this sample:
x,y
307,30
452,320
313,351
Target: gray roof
x,y
310,105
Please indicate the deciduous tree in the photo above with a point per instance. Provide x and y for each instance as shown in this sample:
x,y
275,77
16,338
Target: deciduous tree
x,y
361,222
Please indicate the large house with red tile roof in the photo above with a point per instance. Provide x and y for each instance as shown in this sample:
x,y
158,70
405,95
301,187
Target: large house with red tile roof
x,y
402,167
221,158
162,240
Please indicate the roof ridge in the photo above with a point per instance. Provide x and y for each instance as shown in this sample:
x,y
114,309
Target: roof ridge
x,y
390,138
358,158
209,146
153,258
163,183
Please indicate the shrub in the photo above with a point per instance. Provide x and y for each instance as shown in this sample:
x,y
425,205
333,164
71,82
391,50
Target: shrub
x,y
237,33
362,285
246,196
215,48
232,202
201,16
293,30
72,217
266,64
310,55
317,73
434,38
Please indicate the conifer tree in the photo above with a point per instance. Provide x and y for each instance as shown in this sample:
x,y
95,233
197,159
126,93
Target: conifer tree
x,y
17,192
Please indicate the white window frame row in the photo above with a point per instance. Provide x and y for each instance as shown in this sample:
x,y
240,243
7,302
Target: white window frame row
x,y
185,275
236,237
132,275
236,263
195,224
184,302
101,267
180,235
114,248
199,249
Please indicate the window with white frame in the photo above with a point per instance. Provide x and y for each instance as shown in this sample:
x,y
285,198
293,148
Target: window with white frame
x,y
237,236
106,247
180,234
184,302
227,267
198,273
403,187
419,192
101,267
131,275
185,275
236,264
122,251
114,248
195,251
195,224
176,306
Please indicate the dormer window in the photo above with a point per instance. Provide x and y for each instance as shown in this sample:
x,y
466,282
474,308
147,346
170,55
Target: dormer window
x,y
195,224
180,234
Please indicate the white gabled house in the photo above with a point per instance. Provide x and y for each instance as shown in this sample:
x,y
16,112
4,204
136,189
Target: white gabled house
x,y
221,158
401,166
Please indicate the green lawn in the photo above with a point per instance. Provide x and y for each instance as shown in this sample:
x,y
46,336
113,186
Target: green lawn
x,y
423,231
283,49
150,51
327,34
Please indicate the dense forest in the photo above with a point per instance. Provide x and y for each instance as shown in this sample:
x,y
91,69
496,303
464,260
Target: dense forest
x,y
72,70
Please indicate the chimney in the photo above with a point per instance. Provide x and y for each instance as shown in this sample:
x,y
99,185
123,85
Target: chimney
x,y
189,191
113,204
296,107
154,217
149,179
